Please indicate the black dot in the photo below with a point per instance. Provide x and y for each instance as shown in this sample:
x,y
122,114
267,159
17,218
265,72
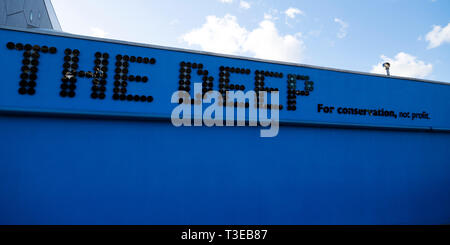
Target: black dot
x,y
68,51
63,93
23,83
10,45
116,97
149,99
19,46
130,97
44,49
25,68
71,94
27,54
28,47
52,50
31,91
22,91
152,61
102,96
145,79
94,95
24,76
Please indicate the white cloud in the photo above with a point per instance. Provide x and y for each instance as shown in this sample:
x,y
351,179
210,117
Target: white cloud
x,y
97,32
272,14
226,1
404,65
268,16
266,43
225,35
244,4
438,36
292,12
222,35
343,30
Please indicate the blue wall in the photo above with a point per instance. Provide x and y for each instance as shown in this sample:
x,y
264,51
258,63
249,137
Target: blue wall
x,y
83,171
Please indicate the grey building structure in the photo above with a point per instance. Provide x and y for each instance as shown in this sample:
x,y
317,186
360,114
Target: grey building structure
x,y
29,14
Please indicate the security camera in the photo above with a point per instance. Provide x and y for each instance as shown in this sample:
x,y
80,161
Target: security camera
x,y
386,66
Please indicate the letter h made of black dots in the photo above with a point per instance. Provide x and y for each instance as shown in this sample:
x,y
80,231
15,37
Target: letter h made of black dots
x,y
30,63
71,72
121,78
293,92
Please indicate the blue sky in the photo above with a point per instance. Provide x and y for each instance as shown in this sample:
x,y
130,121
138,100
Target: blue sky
x,y
414,35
